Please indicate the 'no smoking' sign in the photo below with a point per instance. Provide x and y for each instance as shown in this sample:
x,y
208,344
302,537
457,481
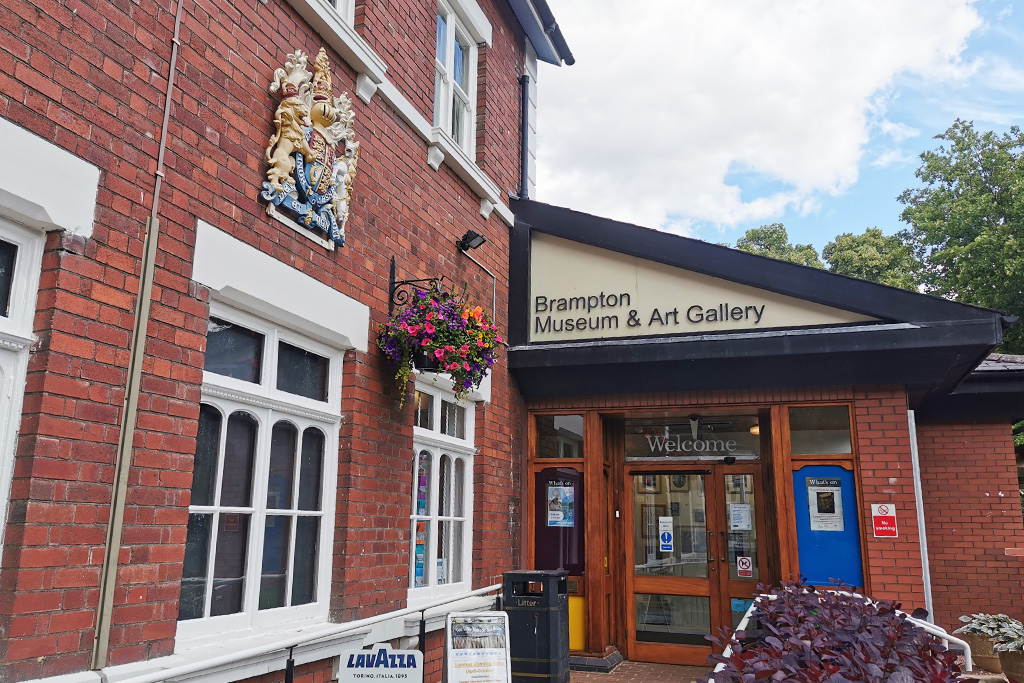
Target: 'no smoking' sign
x,y
744,567
883,520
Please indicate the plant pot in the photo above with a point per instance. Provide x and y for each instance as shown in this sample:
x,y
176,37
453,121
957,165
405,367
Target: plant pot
x,y
425,362
981,652
1013,665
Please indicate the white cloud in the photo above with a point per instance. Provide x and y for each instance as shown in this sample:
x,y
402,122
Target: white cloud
x,y
666,97
893,157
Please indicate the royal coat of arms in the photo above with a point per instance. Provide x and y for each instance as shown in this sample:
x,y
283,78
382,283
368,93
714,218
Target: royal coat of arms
x,y
313,152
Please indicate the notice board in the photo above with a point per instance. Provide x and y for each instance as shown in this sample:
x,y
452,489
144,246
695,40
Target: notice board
x,y
827,528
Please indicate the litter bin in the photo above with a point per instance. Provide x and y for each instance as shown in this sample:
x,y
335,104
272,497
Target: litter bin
x,y
537,604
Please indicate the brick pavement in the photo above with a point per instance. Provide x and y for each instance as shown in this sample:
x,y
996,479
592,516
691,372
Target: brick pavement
x,y
642,672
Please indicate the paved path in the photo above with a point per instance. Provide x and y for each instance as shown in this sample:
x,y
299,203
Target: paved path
x,y
641,672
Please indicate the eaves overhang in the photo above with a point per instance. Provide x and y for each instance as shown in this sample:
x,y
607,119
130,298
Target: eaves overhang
x,y
924,358
543,31
926,344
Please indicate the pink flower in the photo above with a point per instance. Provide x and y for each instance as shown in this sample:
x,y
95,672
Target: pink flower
x,y
429,328
480,343
430,316
465,365
500,340
414,330
438,353
425,342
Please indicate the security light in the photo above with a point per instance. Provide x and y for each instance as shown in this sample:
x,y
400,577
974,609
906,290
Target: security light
x,y
471,240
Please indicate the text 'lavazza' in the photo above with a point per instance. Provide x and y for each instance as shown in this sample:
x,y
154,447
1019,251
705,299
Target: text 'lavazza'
x,y
592,313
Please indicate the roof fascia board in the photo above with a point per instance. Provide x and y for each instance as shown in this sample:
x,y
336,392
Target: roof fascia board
x,y
802,282
977,335
550,45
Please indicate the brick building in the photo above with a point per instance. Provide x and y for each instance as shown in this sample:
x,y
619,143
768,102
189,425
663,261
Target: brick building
x,y
200,441
205,463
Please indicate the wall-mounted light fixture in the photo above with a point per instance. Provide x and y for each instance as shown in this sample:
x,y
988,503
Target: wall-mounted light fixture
x,y
471,240
756,430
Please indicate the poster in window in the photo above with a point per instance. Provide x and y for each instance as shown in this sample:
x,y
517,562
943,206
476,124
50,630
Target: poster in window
x,y
561,503
825,501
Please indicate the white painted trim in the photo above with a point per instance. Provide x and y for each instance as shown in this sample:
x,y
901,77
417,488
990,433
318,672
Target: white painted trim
x,y
258,283
474,19
44,186
337,31
15,340
441,149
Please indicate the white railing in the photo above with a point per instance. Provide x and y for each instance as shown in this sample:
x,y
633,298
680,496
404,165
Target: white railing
x,y
925,626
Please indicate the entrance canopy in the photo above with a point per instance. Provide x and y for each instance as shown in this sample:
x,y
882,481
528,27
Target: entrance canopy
x,y
603,307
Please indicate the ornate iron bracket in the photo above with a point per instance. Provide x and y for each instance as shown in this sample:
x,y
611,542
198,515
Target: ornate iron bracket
x,y
400,291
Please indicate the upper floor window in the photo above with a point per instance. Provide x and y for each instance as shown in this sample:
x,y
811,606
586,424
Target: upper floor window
x,y
455,79
442,496
257,552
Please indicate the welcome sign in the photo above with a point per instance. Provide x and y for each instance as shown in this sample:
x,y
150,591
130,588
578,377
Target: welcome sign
x,y
578,291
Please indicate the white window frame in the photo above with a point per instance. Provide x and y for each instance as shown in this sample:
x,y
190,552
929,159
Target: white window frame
x,y
439,445
445,86
270,406
15,342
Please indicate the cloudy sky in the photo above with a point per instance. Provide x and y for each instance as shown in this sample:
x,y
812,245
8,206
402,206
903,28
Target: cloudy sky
x,y
711,117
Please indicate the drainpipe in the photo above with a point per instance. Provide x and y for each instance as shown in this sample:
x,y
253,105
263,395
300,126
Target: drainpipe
x,y
926,573
108,575
524,137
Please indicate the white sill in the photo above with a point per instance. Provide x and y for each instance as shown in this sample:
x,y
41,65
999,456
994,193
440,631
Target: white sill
x,y
443,381
265,657
442,149
338,32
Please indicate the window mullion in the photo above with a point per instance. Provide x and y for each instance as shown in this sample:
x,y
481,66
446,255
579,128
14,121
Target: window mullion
x,y
211,555
257,520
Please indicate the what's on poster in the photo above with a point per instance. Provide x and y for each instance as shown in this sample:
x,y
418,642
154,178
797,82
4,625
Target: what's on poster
x,y
825,501
561,503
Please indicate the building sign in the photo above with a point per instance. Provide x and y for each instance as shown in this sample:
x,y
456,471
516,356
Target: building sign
x,y
825,502
476,646
561,503
579,291
883,521
380,663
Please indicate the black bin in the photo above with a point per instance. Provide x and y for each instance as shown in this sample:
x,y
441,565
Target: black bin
x,y
537,603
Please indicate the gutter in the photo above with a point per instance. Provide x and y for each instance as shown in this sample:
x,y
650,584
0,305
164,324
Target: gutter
x,y
553,31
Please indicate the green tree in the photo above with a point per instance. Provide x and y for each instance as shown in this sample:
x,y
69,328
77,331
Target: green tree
x,y
874,256
773,241
968,221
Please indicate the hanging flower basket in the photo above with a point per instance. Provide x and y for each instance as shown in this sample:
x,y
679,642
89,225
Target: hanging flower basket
x,y
437,331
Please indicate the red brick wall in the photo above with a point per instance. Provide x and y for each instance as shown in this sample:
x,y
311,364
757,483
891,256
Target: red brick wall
x,y
886,476
973,515
89,76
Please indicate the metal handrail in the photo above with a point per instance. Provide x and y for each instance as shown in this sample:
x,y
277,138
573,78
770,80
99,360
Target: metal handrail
x,y
925,626
285,644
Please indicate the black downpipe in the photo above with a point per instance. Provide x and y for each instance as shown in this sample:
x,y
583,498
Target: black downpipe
x,y
289,667
524,137
423,634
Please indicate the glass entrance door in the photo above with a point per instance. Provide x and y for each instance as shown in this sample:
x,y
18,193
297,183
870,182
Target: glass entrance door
x,y
694,557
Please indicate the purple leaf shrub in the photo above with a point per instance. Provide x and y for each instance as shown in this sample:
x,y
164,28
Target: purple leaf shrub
x,y
812,636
